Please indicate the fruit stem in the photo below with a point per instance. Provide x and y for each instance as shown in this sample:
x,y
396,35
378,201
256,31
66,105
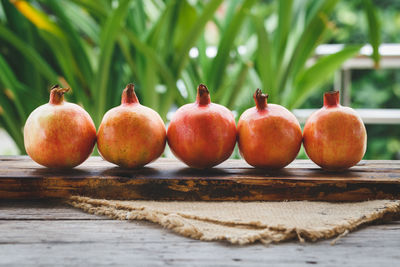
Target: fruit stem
x,y
331,99
57,94
203,95
260,99
128,95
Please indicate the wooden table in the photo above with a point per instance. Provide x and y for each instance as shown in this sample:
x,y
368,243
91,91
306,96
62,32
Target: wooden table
x,y
49,232
170,179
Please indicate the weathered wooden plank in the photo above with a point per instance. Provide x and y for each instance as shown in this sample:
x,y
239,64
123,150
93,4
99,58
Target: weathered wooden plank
x,y
168,179
42,210
89,243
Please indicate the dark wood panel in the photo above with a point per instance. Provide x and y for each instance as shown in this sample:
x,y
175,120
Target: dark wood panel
x,y
168,179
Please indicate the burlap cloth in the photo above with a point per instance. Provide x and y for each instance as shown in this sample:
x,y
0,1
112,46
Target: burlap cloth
x,y
247,222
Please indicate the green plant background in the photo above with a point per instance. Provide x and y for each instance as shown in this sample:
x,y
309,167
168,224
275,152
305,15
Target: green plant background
x,y
96,47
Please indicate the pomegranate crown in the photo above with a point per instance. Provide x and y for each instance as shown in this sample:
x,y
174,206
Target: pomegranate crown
x,y
57,94
260,99
128,95
203,95
331,99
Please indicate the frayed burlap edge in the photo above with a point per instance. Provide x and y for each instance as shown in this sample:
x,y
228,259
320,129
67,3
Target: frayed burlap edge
x,y
181,223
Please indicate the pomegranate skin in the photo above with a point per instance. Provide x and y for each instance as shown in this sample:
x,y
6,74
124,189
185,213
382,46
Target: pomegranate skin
x,y
131,135
202,134
59,134
334,136
269,135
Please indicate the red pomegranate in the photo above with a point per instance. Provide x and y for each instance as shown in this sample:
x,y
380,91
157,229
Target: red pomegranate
x,y
131,135
269,135
334,136
59,134
202,134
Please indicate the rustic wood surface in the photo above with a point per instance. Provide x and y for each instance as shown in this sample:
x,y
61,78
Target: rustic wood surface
x,y
49,233
168,179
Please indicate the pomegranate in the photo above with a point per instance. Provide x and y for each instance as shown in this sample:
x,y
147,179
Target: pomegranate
x,y
334,136
59,134
202,134
269,135
131,135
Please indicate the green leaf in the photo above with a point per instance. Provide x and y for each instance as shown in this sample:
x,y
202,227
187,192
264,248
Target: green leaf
x,y
187,17
150,54
12,129
10,121
183,55
318,74
8,78
283,29
124,45
230,12
81,21
29,53
62,42
160,28
264,56
374,27
234,89
221,61
136,20
75,43
21,26
65,59
310,39
191,80
202,61
107,42
96,8
37,17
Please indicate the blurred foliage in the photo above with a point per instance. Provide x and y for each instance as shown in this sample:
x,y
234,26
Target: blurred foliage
x,y
96,47
352,27
378,89
370,88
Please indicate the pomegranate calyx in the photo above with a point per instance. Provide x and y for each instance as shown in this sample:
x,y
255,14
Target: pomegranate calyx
x,y
260,99
57,94
331,99
128,95
203,95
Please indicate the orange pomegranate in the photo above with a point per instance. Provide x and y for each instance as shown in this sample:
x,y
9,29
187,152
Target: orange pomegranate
x,y
269,135
131,135
202,134
59,134
334,136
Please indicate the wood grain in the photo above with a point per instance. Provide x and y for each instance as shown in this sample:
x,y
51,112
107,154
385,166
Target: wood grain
x,y
168,179
38,240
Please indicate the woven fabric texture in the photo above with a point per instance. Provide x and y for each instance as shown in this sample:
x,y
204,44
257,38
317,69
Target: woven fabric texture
x,y
247,222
